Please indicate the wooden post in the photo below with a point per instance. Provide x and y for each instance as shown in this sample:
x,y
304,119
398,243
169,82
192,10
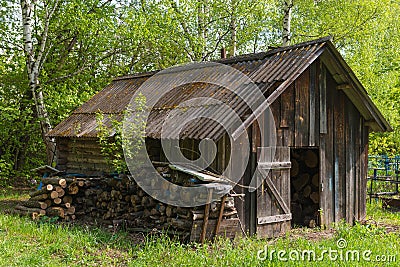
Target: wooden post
x,y
205,220
221,212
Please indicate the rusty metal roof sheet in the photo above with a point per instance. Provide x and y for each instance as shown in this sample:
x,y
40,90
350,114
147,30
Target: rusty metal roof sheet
x,y
272,70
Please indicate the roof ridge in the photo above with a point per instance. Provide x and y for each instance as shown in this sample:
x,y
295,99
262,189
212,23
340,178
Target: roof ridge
x,y
235,59
136,75
262,55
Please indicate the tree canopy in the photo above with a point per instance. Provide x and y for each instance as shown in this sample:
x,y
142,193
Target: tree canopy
x,y
55,54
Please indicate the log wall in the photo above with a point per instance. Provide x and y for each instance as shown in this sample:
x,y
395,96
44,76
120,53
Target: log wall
x,y
81,155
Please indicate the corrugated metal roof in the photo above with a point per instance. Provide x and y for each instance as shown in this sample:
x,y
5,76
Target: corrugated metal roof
x,y
275,69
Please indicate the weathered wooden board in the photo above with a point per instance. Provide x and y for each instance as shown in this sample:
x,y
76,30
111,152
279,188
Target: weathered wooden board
x,y
302,109
357,160
276,112
273,196
352,119
323,127
287,115
312,103
340,156
364,170
243,205
326,156
229,228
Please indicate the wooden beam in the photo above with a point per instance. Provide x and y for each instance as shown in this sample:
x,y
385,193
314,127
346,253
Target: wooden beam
x,y
205,220
274,165
369,123
274,218
344,86
221,212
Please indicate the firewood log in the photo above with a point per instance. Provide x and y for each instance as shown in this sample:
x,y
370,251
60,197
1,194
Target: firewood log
x,y
181,224
169,211
56,181
294,170
39,197
73,188
311,159
301,181
20,207
39,192
307,191
37,215
315,197
55,211
315,180
67,199
54,194
60,191
48,203
57,201
35,204
34,213
70,210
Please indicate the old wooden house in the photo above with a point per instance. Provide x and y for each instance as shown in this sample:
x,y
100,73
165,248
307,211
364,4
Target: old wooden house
x,y
322,114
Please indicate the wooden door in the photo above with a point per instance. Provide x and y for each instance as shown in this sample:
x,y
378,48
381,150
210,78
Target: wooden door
x,y
273,194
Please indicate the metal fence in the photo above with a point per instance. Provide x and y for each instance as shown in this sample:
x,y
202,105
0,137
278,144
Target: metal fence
x,y
383,176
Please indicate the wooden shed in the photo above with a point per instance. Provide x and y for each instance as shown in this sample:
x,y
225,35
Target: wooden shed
x,y
322,114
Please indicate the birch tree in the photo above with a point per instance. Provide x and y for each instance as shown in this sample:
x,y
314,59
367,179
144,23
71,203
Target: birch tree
x,y
287,16
70,42
35,57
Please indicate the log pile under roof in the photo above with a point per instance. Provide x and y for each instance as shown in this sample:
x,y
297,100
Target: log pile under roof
x,y
119,201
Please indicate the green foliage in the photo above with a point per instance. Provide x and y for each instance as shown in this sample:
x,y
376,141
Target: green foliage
x,y
114,140
89,42
110,141
45,219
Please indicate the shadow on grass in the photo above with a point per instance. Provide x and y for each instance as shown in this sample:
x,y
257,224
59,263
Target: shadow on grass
x,y
7,206
11,197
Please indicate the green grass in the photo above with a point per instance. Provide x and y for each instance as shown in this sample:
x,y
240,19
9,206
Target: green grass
x,y
27,243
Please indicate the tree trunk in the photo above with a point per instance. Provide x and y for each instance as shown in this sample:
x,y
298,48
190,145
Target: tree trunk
x,y
33,62
232,26
287,9
202,30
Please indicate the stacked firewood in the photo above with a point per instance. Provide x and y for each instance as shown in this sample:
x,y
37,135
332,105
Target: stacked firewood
x,y
55,198
115,200
305,187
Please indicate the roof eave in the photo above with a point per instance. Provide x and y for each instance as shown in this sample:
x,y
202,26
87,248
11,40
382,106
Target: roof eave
x,y
356,92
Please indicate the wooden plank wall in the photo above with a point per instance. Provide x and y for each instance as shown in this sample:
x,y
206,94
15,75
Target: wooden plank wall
x,y
81,155
343,146
364,171
314,113
297,116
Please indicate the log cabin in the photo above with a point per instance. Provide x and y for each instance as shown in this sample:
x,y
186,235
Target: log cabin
x,y
322,115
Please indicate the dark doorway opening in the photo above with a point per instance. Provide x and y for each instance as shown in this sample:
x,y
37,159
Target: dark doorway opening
x,y
304,186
